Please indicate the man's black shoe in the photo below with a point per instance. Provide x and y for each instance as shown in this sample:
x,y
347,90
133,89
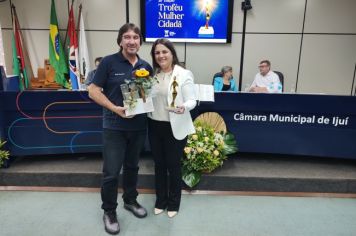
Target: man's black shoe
x,y
111,223
136,209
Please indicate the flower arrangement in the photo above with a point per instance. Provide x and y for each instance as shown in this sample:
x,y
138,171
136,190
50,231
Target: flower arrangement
x,y
205,151
139,86
144,82
4,155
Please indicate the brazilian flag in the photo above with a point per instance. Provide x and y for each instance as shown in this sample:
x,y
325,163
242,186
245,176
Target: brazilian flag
x,y
56,53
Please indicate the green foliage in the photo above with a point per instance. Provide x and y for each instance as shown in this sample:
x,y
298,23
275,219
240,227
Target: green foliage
x,y
191,178
4,155
230,144
205,151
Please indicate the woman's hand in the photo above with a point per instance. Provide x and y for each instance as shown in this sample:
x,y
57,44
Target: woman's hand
x,y
179,110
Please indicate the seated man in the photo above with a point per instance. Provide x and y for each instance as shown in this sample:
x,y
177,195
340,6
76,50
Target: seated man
x,y
266,81
91,74
226,82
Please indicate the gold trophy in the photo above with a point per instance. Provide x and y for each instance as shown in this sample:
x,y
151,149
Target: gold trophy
x,y
174,93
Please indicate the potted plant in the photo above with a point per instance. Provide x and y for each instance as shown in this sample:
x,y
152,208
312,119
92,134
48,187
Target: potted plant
x,y
4,155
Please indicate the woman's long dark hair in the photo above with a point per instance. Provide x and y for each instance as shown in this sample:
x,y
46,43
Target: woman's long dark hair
x,y
169,45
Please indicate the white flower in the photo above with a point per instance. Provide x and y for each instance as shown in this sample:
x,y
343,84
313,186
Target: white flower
x,y
216,152
218,138
195,137
187,149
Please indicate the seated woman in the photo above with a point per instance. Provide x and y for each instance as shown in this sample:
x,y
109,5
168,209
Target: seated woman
x,y
226,82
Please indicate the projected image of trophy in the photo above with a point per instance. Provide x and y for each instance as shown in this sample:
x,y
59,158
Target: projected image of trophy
x,y
207,31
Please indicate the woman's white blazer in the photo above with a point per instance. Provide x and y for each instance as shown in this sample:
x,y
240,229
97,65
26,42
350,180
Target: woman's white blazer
x,y
182,124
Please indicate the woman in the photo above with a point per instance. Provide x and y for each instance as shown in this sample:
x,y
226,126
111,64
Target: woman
x,y
226,82
169,124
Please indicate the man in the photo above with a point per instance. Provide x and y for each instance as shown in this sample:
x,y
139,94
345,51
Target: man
x,y
266,81
123,137
91,73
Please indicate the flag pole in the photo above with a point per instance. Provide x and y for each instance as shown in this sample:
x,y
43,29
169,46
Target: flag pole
x,y
80,12
12,15
68,7
12,19
65,38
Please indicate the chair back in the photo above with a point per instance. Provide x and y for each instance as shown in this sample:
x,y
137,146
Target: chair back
x,y
218,74
281,78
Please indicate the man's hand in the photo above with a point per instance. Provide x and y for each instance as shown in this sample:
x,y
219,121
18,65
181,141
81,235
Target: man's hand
x,y
253,90
259,90
96,94
120,111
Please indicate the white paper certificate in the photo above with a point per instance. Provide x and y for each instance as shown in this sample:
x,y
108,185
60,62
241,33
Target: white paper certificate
x,y
204,92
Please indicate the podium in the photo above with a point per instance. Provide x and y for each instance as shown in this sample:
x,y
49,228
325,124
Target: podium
x,y
45,78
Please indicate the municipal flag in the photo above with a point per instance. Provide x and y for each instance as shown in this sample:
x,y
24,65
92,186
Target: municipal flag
x,y
74,72
83,50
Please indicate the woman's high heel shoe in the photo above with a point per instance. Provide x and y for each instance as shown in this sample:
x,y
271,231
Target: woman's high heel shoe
x,y
157,211
172,214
